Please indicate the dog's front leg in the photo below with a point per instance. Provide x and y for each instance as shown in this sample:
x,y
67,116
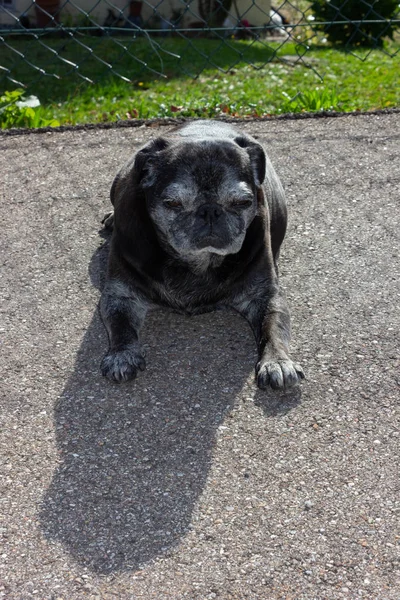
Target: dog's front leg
x,y
270,321
123,312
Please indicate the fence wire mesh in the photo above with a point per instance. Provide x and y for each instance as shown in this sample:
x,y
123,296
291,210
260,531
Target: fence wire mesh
x,y
132,40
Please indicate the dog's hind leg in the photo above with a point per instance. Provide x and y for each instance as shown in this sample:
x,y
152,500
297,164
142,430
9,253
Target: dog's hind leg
x,y
108,220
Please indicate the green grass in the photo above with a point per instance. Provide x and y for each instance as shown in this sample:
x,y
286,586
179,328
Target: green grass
x,y
232,86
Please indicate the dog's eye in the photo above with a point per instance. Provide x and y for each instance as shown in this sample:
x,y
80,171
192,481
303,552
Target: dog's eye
x,y
173,204
242,203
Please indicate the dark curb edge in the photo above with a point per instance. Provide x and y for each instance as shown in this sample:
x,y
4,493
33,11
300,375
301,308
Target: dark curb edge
x,y
162,122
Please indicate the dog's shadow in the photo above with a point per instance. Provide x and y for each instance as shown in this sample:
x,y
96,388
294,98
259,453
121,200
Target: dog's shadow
x,y
134,458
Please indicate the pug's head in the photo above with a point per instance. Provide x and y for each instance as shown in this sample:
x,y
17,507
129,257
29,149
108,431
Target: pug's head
x,y
201,195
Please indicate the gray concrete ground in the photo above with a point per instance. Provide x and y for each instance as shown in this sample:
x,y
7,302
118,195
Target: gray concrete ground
x,y
190,483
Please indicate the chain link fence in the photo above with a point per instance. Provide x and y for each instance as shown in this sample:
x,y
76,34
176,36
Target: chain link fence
x,y
135,39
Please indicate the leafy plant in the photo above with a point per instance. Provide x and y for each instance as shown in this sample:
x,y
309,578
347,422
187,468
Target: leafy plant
x,y
311,101
356,22
18,111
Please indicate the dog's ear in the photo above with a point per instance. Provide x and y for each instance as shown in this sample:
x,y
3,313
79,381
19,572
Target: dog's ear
x,y
139,170
257,157
144,171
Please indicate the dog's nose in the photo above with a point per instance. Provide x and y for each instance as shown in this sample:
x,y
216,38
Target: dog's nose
x,y
210,212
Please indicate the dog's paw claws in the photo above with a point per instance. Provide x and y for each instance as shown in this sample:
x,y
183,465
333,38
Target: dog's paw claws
x,y
122,365
278,374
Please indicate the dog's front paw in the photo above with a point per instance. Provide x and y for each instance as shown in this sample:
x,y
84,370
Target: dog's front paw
x,y
122,365
278,374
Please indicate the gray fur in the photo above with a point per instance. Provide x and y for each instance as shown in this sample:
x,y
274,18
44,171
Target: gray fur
x,y
125,356
199,219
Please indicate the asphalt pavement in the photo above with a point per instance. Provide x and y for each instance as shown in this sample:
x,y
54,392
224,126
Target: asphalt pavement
x,y
189,483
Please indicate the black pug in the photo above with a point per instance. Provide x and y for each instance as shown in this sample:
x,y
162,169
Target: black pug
x,y
199,217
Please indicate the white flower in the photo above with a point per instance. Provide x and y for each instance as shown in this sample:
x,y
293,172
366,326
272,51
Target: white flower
x,y
31,101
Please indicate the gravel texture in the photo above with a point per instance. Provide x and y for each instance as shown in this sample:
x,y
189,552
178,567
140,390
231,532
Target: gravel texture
x,y
189,482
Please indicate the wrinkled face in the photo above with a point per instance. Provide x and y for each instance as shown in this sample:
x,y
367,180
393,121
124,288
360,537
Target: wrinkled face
x,y
202,197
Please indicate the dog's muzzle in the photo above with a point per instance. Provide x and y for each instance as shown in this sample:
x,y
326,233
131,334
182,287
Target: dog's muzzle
x,y
211,228
210,213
